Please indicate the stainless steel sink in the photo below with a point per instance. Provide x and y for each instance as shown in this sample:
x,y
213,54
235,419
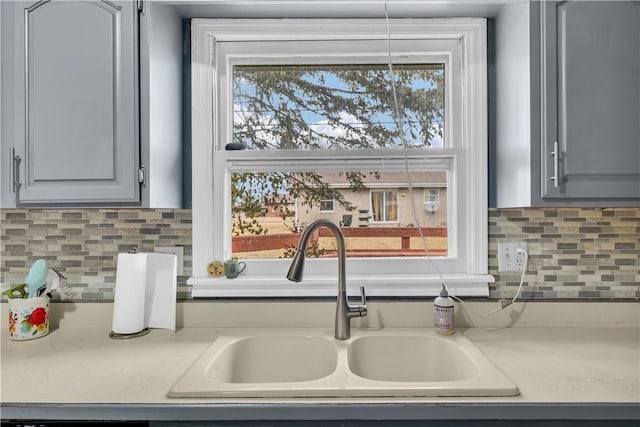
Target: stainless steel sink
x,y
310,363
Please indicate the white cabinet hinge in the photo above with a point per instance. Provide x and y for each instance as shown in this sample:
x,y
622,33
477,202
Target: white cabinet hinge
x,y
141,174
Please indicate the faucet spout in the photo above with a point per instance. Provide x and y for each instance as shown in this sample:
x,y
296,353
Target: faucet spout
x,y
344,310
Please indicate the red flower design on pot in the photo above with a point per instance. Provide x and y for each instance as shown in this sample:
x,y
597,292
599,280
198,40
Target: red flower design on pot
x,y
37,316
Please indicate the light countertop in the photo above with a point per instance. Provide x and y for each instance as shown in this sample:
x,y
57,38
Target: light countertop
x,y
78,370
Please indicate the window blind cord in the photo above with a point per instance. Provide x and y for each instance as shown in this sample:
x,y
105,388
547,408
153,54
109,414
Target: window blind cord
x,y
400,126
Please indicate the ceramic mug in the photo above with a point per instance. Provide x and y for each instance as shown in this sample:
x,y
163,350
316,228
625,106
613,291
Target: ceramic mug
x,y
28,318
233,268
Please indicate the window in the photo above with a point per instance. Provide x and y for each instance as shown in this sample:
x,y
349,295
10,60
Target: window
x,y
431,195
295,118
326,205
384,206
336,106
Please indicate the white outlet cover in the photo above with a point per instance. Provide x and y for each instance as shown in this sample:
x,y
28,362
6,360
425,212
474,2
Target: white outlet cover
x,y
508,257
178,251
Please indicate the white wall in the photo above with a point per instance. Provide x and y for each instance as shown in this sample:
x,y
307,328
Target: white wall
x,y
161,103
336,8
513,106
6,101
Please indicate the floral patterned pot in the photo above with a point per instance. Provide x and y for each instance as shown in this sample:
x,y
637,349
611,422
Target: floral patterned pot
x,y
28,318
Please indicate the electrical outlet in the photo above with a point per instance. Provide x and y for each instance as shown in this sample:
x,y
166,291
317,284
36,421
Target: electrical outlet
x,y
509,259
178,251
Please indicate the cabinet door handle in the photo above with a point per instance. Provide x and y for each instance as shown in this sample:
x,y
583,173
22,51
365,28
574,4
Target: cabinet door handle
x,y
556,164
14,170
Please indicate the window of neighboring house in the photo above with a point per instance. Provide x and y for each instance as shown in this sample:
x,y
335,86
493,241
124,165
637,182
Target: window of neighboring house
x,y
431,195
384,206
309,110
432,204
326,205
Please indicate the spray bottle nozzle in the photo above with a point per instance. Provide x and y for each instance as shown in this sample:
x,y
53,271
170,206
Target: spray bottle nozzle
x,y
443,291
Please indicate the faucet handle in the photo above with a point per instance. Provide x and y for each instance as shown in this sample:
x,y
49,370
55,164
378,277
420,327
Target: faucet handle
x,y
362,308
363,296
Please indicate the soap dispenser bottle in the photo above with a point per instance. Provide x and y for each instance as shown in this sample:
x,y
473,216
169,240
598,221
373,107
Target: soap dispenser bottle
x,y
443,313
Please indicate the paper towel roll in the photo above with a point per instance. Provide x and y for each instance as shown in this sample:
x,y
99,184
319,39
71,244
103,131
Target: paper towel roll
x,y
145,292
129,298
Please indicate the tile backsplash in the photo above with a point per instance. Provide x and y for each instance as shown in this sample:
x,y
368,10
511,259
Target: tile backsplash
x,y
83,244
587,253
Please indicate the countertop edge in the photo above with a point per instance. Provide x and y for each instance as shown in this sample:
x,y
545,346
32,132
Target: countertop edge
x,y
321,411
324,411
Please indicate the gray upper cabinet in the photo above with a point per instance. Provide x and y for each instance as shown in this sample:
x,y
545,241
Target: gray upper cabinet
x,y
590,100
75,124
567,104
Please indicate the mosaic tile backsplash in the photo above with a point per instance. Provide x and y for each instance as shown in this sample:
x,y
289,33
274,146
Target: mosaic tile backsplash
x,y
83,244
573,253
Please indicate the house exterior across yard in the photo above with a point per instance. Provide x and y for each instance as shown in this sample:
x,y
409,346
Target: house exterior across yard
x,y
386,201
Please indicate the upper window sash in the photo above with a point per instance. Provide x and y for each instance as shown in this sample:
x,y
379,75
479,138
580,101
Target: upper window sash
x,y
347,52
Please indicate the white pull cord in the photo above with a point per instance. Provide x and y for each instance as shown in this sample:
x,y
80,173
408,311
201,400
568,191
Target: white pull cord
x,y
504,302
400,126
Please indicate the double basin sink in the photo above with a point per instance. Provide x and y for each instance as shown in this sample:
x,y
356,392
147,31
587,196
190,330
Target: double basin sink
x,y
372,363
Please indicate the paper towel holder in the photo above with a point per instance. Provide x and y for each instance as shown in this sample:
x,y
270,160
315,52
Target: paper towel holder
x,y
118,336
144,294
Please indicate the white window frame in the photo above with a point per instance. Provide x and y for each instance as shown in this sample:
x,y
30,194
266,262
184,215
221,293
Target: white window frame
x,y
371,207
218,44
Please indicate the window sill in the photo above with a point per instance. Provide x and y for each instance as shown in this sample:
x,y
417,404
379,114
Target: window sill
x,y
463,285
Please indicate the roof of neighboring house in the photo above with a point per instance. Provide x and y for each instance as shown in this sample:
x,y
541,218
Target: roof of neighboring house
x,y
390,179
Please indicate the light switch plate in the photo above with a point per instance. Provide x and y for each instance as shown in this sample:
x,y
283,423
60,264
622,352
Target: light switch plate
x,y
176,250
509,259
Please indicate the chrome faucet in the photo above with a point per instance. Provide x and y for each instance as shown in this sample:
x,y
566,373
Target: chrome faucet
x,y
344,310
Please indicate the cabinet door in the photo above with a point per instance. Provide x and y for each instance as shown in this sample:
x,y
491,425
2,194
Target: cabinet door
x,y
76,92
591,100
